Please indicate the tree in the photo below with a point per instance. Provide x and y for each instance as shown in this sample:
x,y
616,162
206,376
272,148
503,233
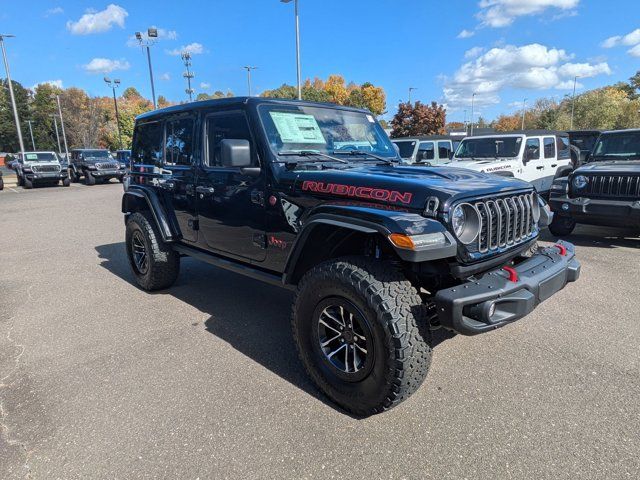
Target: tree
x,y
163,102
418,119
43,106
336,89
8,133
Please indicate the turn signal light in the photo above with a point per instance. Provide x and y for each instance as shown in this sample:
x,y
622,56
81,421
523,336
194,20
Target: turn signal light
x,y
401,240
418,242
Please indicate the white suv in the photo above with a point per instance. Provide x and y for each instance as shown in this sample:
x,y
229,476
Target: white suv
x,y
536,156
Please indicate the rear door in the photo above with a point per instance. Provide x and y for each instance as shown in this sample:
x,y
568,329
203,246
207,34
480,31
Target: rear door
x,y
533,162
445,150
230,204
550,163
426,153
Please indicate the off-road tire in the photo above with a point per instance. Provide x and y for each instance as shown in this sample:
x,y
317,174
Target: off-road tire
x,y
28,184
89,179
20,181
164,262
397,319
561,226
73,176
66,182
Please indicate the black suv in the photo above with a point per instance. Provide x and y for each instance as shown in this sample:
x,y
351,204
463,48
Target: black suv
x,y
603,191
313,197
95,165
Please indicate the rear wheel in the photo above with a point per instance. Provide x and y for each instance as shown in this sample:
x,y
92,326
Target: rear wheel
x,y
153,262
361,332
562,226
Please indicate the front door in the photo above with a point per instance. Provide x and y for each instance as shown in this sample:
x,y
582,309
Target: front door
x,y
231,204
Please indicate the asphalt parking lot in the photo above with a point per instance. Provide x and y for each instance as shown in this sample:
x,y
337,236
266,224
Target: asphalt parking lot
x,y
99,379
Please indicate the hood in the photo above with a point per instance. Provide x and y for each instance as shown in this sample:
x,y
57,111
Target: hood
x,y
41,164
609,167
487,165
407,187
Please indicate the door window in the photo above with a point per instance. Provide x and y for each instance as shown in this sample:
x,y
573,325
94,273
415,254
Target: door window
x,y
425,151
533,148
224,126
444,149
549,147
179,142
148,142
563,147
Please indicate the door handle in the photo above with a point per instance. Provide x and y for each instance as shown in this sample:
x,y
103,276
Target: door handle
x,y
554,165
205,190
541,167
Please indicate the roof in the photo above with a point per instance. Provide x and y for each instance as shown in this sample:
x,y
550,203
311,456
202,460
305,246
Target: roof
x,y
588,132
39,151
88,148
528,133
622,131
239,102
424,137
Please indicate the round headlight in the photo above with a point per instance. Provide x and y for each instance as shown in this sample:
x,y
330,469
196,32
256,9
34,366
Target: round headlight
x,y
537,204
465,222
580,182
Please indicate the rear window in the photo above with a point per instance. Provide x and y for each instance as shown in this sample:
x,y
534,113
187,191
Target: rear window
x,y
406,148
147,144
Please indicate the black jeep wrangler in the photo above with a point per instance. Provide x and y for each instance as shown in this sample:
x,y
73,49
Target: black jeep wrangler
x,y
313,197
95,165
605,190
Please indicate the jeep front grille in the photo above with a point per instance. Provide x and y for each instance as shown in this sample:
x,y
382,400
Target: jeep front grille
x,y
505,221
45,168
107,166
611,186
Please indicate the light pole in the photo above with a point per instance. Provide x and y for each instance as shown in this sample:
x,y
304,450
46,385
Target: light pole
x,y
55,124
64,135
248,68
151,33
573,100
115,83
524,109
186,58
297,47
33,142
13,99
411,89
473,97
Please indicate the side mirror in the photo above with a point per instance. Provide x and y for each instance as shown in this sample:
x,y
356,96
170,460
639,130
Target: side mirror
x,y
235,153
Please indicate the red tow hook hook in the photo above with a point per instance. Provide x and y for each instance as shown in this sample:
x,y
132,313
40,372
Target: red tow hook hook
x,y
562,248
513,275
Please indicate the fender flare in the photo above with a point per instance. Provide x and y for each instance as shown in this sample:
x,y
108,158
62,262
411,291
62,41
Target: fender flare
x,y
165,220
563,171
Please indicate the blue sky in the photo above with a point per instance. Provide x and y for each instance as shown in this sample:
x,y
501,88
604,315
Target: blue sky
x,y
503,50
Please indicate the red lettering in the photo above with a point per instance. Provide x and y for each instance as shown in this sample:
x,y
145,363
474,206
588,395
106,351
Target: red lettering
x,y
380,194
404,197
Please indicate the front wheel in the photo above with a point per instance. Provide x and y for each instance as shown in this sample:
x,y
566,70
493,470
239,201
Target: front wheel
x,y
66,182
89,179
562,226
28,184
361,332
153,262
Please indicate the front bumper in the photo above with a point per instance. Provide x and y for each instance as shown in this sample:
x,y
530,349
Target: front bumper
x,y
597,211
46,176
107,173
501,297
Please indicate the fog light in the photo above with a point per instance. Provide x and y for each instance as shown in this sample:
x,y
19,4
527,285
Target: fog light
x,y
565,207
492,310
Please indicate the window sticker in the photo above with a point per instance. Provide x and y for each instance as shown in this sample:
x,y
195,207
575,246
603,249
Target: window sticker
x,y
297,127
32,156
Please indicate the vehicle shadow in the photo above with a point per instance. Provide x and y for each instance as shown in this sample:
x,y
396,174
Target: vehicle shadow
x,y
251,316
596,236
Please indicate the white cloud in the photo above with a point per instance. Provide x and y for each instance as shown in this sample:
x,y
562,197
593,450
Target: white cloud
x,y
165,76
568,85
635,51
105,65
54,11
466,33
533,66
163,34
205,85
631,38
473,52
98,22
194,48
53,83
500,13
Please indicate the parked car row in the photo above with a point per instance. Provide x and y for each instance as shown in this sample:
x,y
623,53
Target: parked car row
x,y
49,168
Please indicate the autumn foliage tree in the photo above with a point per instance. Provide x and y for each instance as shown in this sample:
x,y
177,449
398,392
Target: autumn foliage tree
x,y
418,119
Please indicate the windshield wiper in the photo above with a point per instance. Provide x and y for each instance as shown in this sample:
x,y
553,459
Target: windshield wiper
x,y
310,153
366,154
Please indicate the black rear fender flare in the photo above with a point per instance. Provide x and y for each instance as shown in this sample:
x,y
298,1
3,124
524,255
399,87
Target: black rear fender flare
x,y
138,198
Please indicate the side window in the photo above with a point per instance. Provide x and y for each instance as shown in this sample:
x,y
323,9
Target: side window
x,y
562,144
147,146
532,148
179,142
549,147
426,151
444,149
219,127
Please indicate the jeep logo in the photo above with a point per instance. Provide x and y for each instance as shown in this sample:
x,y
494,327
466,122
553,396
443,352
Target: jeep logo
x,y
368,193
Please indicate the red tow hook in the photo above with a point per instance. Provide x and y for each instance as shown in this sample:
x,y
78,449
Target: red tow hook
x,y
513,275
562,248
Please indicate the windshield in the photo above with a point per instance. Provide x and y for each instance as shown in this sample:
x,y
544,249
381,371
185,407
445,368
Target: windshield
x,y
40,157
406,147
293,128
96,154
489,147
618,146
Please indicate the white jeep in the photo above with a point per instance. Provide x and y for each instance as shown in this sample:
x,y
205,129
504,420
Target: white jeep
x,y
536,156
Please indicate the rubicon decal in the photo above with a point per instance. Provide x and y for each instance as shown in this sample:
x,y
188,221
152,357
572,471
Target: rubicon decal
x,y
353,191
